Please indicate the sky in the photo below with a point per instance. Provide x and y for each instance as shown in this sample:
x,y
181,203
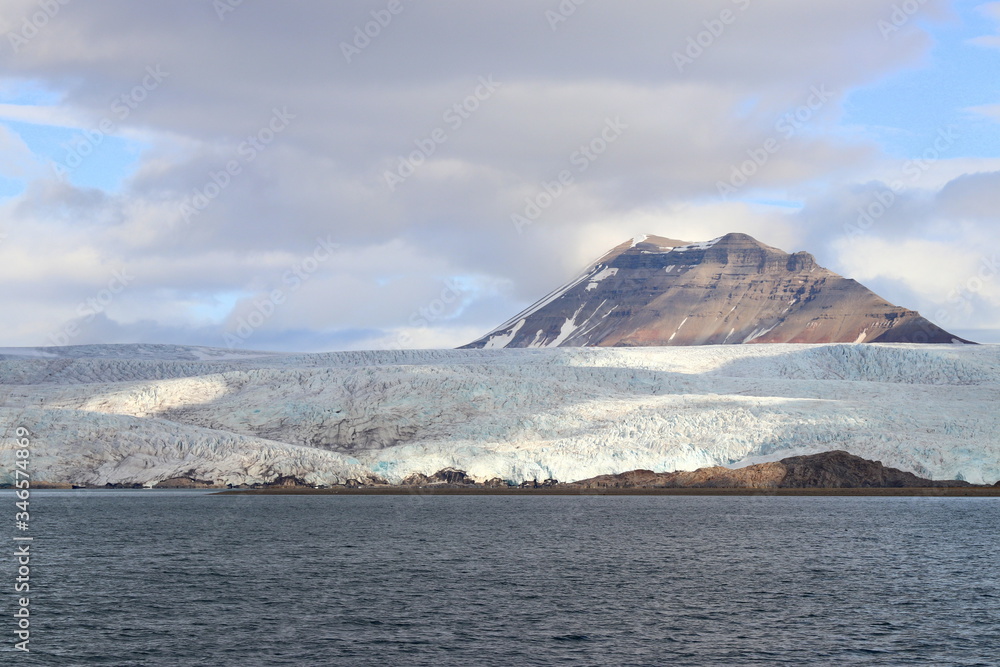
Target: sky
x,y
318,176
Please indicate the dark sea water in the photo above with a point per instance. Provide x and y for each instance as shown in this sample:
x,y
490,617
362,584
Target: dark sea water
x,y
186,578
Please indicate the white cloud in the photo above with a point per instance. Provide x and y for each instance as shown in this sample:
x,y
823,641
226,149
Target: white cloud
x,y
16,159
991,10
988,110
323,175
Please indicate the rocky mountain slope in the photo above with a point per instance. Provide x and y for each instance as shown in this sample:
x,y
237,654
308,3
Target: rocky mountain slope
x,y
131,414
836,469
733,289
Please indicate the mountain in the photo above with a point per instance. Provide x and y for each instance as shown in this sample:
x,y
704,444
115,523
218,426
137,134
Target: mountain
x,y
734,289
835,469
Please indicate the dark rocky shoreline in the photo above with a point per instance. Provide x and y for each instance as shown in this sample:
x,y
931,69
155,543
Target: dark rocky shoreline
x,y
834,469
569,490
828,473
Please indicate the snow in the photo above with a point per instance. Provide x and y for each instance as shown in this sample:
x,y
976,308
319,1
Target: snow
x,y
546,300
607,272
103,414
638,239
569,327
704,245
671,268
757,333
594,321
498,341
678,329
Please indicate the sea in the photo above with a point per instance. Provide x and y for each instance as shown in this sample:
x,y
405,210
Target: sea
x,y
149,577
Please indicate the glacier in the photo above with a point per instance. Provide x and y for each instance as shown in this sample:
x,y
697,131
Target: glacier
x,y
144,413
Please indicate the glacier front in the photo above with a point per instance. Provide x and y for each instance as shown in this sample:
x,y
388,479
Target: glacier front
x,y
141,414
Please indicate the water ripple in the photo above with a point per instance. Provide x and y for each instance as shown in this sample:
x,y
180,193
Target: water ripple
x,y
189,579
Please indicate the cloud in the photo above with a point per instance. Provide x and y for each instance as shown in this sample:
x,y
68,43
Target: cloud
x,y
931,247
991,111
17,162
485,103
991,10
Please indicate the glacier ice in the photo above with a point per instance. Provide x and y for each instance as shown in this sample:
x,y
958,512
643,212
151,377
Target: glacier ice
x,y
127,414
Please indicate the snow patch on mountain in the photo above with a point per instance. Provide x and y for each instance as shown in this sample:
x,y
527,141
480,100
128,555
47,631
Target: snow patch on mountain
x,y
568,328
500,340
757,333
704,245
544,301
601,275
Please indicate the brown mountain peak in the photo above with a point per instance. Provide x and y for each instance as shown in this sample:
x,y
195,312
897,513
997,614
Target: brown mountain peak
x,y
653,290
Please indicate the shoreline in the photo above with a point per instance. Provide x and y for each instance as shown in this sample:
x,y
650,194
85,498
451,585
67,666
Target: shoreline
x,y
967,491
